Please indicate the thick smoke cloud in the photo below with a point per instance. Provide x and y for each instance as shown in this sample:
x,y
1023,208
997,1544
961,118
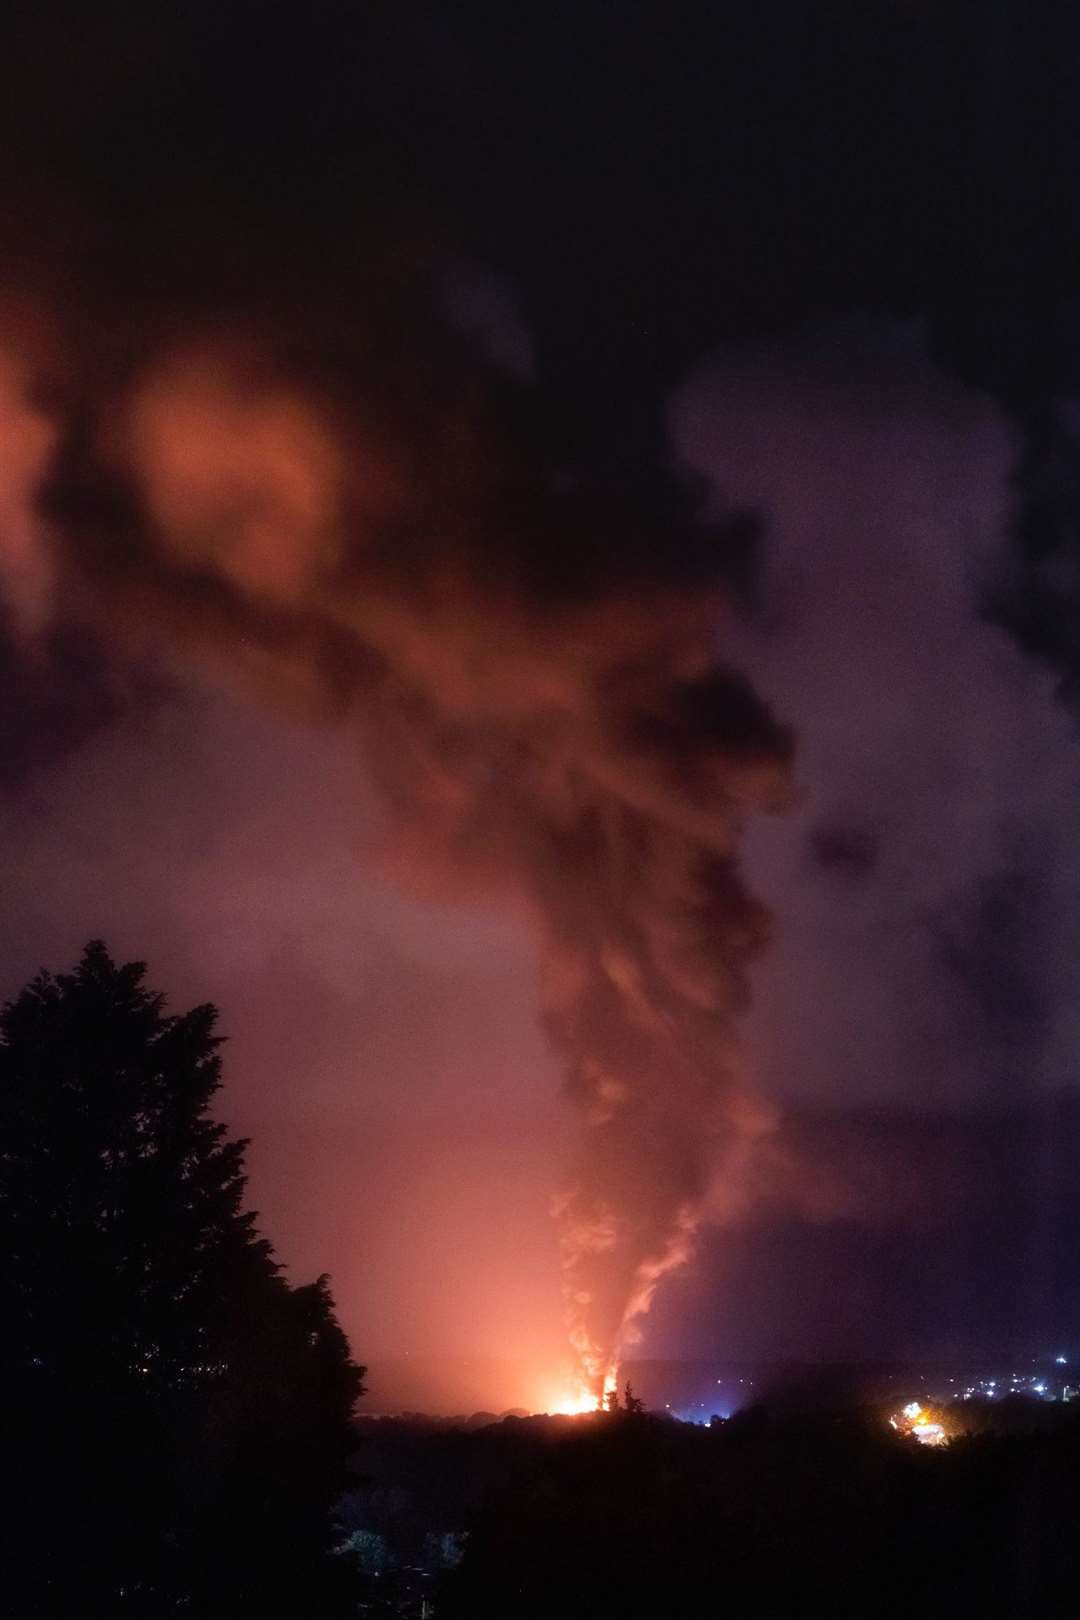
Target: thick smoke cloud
x,y
238,420
233,414
537,692
928,889
26,440
1032,587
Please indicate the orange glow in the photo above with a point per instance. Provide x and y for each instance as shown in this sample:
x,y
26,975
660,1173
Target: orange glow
x,y
919,1424
26,439
243,477
575,1405
573,1397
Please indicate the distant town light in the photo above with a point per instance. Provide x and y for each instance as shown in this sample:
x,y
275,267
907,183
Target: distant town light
x,y
1061,1360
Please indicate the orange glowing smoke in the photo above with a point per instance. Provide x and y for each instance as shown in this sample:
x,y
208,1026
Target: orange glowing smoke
x,y
562,739
27,438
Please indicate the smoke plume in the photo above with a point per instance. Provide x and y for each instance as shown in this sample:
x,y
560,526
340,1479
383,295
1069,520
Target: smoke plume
x,y
238,419
528,659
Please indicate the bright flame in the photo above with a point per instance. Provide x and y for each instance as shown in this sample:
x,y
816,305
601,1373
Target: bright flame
x,y
576,1405
576,1399
915,1422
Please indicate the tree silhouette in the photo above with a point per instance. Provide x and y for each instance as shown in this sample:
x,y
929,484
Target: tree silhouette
x,y
631,1403
179,1413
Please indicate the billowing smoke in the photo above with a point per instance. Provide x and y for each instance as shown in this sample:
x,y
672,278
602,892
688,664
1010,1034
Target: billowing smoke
x,y
235,418
529,659
1034,589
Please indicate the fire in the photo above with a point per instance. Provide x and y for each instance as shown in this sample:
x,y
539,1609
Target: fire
x,y
576,1399
576,1405
914,1420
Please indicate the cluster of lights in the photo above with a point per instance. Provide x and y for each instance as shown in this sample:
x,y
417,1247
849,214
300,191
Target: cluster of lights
x,y
913,1420
1020,1383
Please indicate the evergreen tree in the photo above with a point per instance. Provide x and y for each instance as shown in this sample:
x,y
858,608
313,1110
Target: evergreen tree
x,y
179,1413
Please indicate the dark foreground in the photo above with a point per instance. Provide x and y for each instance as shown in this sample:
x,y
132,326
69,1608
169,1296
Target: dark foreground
x,y
820,1511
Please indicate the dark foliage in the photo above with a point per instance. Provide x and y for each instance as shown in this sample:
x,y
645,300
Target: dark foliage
x,y
814,1512
178,1415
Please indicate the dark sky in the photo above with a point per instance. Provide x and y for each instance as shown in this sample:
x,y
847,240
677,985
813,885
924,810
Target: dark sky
x,y
583,276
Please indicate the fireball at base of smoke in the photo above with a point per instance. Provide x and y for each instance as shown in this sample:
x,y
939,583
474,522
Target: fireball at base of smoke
x,y
564,737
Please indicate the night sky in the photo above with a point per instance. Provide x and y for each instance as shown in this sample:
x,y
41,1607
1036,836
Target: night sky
x,y
377,367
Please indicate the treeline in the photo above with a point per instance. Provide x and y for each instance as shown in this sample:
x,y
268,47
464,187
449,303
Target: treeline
x,y
178,1420
819,1512
777,1511
177,1414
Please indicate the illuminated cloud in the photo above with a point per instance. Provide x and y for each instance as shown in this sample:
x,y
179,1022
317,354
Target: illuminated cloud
x,y
570,742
